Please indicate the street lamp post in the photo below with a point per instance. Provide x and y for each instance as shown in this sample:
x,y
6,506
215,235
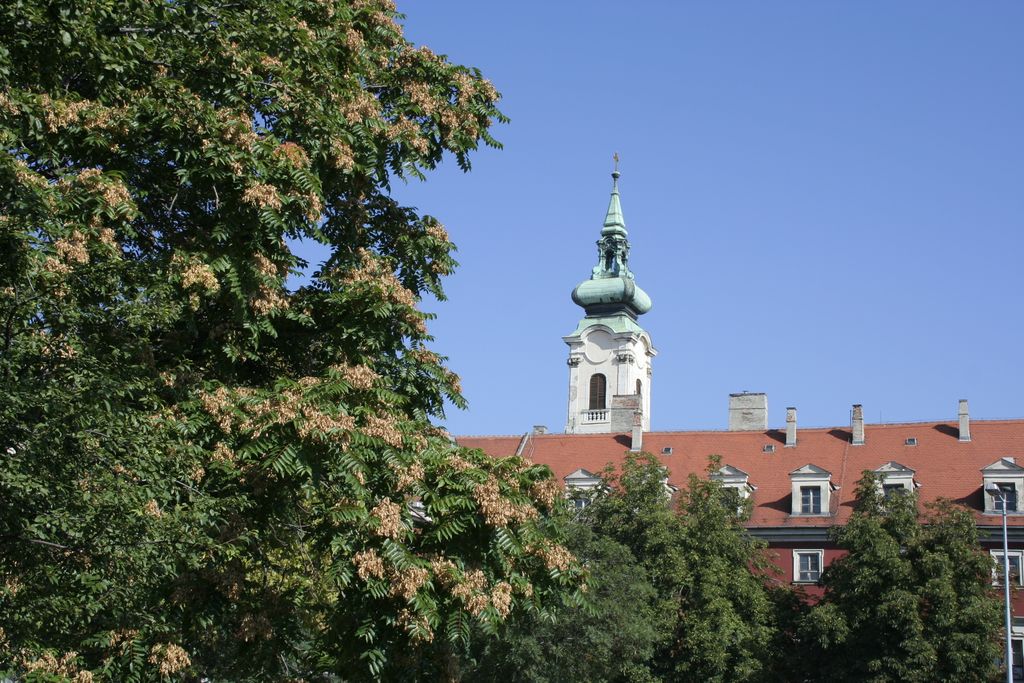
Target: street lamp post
x,y
997,492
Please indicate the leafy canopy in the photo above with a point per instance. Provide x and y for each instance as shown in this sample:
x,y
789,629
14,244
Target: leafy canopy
x,y
911,601
204,473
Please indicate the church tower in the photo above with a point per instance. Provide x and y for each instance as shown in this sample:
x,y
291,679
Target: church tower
x,y
609,353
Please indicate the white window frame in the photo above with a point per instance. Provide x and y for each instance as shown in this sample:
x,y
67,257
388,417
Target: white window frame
x,y
893,473
999,501
797,553
810,475
810,489
1002,472
997,557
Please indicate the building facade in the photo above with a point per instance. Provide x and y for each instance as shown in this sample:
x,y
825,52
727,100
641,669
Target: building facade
x,y
801,482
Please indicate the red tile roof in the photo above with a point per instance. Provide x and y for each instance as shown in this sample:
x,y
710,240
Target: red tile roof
x,y
945,467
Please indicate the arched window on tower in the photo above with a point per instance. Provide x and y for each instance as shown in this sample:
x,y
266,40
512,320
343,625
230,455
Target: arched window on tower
x,y
598,391
639,388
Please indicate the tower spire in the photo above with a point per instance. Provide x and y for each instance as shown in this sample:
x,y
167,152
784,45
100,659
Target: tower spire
x,y
614,223
611,289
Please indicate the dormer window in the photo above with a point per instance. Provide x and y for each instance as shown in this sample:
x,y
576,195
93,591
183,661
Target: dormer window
x,y
580,487
895,479
1002,482
811,490
736,479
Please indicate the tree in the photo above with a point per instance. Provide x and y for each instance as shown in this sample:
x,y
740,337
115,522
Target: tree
x,y
911,601
203,473
612,636
681,593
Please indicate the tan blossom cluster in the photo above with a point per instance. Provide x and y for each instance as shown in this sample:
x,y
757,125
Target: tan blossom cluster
x,y
219,405
267,299
254,628
71,249
304,27
169,658
409,132
454,381
353,39
26,176
458,463
407,582
123,638
116,195
292,153
314,207
99,117
265,266
390,515
12,585
417,625
372,271
341,156
470,590
262,196
7,106
363,105
196,274
359,376
152,508
554,556
546,492
66,666
497,509
222,453
424,356
437,231
61,113
408,476
271,62
464,84
108,238
444,569
237,128
318,422
368,564
383,428
501,598
419,94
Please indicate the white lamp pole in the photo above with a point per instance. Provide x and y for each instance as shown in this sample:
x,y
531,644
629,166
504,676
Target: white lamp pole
x,y
997,492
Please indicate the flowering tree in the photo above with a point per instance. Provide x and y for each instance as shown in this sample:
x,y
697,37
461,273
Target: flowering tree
x,y
202,473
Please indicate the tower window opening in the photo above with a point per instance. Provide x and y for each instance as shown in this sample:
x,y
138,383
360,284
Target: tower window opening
x,y
598,391
609,260
639,388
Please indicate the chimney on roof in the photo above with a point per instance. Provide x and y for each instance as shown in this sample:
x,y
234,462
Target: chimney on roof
x,y
748,412
540,429
857,424
965,420
790,426
637,433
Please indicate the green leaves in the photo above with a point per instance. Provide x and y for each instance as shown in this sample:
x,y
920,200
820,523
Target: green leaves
x,y
209,474
910,601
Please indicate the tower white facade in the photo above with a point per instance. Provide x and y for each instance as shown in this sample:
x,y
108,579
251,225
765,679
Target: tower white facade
x,y
609,353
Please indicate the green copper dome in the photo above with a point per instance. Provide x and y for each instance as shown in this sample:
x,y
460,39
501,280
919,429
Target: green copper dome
x,y
611,288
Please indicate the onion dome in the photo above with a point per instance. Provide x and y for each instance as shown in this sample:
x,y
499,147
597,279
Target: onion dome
x,y
611,289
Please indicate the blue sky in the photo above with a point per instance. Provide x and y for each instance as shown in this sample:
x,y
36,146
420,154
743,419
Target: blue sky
x,y
824,201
